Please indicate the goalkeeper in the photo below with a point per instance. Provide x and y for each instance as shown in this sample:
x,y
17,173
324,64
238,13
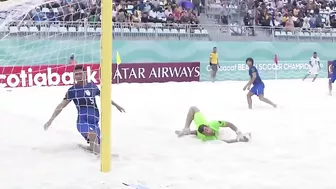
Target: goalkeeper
x,y
209,130
83,95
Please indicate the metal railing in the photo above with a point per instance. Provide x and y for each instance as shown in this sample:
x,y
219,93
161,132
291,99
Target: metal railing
x,y
163,31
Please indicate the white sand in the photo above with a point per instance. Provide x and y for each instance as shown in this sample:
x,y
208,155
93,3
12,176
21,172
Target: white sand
x,y
293,147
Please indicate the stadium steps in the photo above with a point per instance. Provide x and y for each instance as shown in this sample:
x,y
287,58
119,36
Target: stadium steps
x,y
208,24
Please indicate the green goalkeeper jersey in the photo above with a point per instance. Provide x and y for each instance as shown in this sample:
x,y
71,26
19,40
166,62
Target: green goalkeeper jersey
x,y
199,120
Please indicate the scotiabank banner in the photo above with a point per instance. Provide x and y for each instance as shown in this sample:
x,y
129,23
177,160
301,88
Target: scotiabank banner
x,y
58,75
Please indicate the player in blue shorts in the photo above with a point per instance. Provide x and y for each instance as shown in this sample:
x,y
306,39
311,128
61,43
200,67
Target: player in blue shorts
x,y
258,85
333,75
83,95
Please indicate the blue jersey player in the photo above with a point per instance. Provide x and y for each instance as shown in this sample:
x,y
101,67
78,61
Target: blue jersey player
x,y
258,85
83,95
333,75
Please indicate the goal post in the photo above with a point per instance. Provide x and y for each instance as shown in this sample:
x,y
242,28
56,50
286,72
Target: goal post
x,y
106,86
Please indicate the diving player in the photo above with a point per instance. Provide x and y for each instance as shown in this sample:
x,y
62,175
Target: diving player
x,y
258,85
314,66
209,130
83,95
332,72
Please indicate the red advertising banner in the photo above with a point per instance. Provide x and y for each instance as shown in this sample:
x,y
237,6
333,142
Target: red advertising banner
x,y
58,75
329,67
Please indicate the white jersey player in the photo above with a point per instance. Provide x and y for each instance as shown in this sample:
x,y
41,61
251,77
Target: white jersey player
x,y
314,66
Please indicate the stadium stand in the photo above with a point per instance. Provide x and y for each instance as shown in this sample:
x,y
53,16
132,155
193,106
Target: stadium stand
x,y
154,18
182,19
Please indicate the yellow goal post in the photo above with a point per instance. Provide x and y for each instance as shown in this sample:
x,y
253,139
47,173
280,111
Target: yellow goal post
x,y
106,86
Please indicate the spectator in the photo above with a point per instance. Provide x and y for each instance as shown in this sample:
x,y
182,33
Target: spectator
x,y
168,11
121,17
185,19
161,16
72,60
305,24
289,25
39,15
136,17
152,15
132,12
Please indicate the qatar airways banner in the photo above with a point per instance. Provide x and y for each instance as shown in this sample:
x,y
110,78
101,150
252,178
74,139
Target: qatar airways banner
x,y
58,75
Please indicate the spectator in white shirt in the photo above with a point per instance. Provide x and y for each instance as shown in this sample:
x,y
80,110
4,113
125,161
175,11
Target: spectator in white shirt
x,y
161,16
168,11
305,24
152,15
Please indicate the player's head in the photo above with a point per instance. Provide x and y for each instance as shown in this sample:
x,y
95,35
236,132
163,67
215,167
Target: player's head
x,y
249,61
214,49
79,73
205,130
315,54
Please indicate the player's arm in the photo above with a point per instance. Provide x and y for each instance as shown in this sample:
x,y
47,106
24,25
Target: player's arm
x,y
58,110
233,128
193,132
230,125
253,78
319,64
210,58
121,109
310,63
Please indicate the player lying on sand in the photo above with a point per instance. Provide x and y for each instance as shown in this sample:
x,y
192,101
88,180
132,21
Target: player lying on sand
x,y
209,130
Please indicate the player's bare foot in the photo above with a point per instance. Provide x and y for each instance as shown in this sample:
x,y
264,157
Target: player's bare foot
x,y
86,148
247,137
180,133
275,105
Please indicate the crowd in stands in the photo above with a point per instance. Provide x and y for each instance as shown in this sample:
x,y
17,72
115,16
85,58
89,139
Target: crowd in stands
x,y
287,14
133,11
291,14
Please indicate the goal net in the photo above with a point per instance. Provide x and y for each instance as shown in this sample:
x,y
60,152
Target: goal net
x,y
41,41
40,44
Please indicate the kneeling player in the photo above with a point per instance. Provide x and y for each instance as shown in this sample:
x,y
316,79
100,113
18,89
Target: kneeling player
x,y
209,130
83,95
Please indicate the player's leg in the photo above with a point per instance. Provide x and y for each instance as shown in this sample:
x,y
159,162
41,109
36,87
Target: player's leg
x,y
91,134
190,116
193,110
315,76
214,69
249,99
331,81
306,76
259,91
249,96
94,139
315,72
